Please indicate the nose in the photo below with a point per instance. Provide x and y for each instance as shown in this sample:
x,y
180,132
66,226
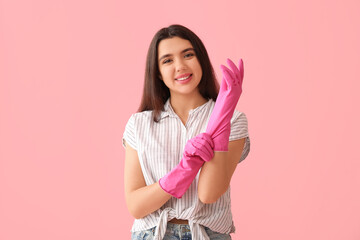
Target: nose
x,y
180,66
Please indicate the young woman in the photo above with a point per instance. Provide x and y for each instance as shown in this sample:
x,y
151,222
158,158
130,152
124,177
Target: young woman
x,y
184,143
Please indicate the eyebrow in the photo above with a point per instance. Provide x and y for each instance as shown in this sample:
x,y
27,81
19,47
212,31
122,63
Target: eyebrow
x,y
168,55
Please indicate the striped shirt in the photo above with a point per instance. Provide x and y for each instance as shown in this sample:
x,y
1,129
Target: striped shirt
x,y
160,147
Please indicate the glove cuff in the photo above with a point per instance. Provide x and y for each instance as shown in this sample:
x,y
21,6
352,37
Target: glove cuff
x,y
172,193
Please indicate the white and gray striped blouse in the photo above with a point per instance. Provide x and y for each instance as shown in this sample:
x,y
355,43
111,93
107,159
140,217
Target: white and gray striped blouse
x,y
160,146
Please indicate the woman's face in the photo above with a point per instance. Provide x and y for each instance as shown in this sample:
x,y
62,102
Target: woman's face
x,y
179,67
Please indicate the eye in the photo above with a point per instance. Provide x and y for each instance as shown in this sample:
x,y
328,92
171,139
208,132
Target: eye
x,y
166,61
189,54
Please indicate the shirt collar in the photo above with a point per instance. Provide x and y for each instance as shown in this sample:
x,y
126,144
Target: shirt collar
x,y
169,111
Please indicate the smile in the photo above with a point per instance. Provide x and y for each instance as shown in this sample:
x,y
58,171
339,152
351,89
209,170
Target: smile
x,y
184,78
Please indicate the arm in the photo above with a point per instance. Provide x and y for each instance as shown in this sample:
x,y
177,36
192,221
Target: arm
x,y
141,199
215,175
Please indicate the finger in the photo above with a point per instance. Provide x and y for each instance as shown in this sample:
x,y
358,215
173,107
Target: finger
x,y
208,138
225,80
223,85
207,150
234,69
228,75
202,144
232,74
205,143
202,149
205,155
191,148
241,68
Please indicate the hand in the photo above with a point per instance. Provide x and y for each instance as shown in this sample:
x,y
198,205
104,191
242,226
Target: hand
x,y
201,145
219,125
197,150
231,85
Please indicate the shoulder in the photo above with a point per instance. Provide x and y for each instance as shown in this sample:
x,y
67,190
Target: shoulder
x,y
144,120
239,126
137,120
239,116
134,126
140,116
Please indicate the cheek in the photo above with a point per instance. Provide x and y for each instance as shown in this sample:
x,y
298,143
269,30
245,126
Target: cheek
x,y
167,73
198,67
199,70
162,73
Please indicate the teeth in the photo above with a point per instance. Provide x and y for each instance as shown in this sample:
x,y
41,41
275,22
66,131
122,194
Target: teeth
x,y
180,79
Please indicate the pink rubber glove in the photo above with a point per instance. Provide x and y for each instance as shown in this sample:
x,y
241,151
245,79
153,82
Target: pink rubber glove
x,y
219,125
197,151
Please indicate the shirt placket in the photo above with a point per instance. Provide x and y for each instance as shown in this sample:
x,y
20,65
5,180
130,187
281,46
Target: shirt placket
x,y
190,121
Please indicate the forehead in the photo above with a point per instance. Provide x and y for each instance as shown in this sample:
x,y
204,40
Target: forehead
x,y
172,45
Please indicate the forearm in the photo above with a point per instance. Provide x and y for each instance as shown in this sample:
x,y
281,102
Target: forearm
x,y
146,200
214,178
215,175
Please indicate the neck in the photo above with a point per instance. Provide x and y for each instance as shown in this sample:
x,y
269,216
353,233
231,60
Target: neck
x,y
182,104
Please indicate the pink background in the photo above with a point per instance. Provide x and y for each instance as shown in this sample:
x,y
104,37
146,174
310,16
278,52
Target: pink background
x,y
72,74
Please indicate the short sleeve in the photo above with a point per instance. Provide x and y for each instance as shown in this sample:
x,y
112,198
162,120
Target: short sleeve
x,y
129,133
239,130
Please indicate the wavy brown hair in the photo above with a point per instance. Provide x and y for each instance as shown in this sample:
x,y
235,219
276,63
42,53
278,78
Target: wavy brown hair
x,y
155,92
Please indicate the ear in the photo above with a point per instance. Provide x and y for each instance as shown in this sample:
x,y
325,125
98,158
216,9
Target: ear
x,y
160,77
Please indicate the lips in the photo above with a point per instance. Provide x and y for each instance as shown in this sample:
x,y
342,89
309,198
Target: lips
x,y
183,75
185,81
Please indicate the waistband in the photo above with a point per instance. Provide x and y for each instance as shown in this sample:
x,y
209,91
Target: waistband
x,y
178,221
198,232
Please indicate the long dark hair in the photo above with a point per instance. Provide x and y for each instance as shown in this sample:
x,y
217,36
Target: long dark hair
x,y
155,92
